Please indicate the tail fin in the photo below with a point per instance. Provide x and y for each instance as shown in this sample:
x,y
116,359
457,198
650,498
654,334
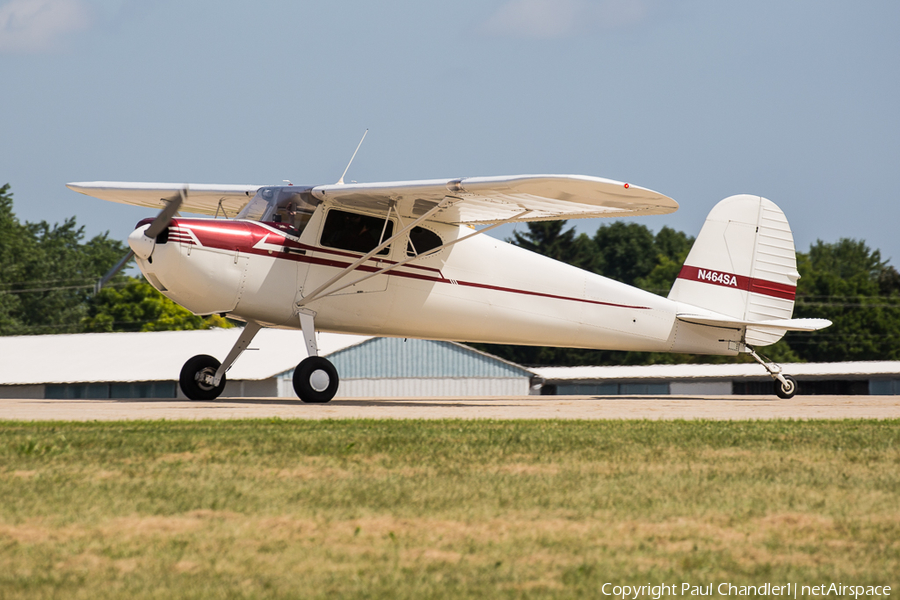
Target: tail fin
x,y
743,265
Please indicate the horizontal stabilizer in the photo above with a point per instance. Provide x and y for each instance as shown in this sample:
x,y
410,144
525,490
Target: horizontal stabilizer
x,y
772,324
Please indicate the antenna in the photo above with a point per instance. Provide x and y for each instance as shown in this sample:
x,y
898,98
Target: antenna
x,y
341,180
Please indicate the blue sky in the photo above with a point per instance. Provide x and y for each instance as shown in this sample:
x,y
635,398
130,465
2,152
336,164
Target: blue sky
x,y
796,101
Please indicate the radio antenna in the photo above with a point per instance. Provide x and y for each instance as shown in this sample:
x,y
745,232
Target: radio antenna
x,y
341,180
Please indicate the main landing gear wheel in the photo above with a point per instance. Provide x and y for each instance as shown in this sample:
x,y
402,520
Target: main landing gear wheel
x,y
194,378
787,389
315,380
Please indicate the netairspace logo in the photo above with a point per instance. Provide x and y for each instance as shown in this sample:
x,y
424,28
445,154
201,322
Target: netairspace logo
x,y
789,590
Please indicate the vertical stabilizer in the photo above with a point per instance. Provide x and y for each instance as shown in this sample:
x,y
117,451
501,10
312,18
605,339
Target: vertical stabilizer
x,y
742,265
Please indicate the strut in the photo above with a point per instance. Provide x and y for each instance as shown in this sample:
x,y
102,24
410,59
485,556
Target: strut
x,y
785,385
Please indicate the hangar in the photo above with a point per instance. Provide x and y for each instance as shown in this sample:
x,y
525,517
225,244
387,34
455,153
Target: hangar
x,y
147,365
842,378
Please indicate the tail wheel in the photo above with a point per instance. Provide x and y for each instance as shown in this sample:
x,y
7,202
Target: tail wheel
x,y
787,389
194,375
315,380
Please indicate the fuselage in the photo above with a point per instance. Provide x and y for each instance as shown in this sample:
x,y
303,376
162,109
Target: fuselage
x,y
479,290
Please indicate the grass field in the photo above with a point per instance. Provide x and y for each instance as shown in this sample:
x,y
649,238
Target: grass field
x,y
412,509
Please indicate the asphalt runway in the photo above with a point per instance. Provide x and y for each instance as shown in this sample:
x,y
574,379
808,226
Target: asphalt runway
x,y
519,407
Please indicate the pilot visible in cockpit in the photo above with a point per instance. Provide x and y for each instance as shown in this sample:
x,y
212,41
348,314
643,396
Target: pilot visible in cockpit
x,y
287,215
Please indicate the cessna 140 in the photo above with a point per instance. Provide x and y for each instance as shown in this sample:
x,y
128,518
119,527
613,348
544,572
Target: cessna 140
x,y
404,259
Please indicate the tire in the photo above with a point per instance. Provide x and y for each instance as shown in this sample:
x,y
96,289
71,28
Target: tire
x,y
786,391
194,389
315,380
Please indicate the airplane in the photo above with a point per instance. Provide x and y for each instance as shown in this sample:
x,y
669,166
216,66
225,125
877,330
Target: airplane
x,y
408,259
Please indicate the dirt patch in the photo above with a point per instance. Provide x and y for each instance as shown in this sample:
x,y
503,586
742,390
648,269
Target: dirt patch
x,y
84,562
528,469
797,522
186,566
433,555
309,472
34,532
144,526
178,457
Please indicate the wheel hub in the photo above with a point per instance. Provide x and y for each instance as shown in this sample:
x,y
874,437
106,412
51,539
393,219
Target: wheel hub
x,y
319,380
205,378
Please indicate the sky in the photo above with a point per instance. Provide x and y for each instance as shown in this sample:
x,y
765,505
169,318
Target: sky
x,y
698,99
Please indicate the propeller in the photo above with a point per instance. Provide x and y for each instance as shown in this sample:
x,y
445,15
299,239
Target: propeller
x,y
112,272
148,238
165,215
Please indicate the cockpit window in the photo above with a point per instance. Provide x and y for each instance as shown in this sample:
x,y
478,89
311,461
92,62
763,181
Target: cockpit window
x,y
421,241
293,216
290,206
255,210
354,232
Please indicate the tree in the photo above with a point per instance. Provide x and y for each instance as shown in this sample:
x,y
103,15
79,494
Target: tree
x,y
851,285
48,272
672,248
15,250
137,306
47,278
627,251
549,239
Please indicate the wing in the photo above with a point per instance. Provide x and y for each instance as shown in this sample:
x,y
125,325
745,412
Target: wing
x,y
202,198
492,199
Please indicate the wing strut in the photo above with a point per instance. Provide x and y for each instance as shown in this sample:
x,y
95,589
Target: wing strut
x,y
412,258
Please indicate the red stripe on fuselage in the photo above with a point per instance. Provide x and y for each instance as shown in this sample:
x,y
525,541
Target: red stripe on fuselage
x,y
242,236
738,282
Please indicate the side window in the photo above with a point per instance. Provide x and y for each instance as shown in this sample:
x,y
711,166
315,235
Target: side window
x,y
421,241
357,233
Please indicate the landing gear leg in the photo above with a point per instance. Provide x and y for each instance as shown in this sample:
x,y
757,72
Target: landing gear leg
x,y
315,378
203,377
785,385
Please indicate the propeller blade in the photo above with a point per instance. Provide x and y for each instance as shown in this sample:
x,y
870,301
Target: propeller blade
x,y
112,272
162,219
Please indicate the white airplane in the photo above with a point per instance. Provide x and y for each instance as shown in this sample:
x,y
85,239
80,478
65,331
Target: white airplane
x,y
405,259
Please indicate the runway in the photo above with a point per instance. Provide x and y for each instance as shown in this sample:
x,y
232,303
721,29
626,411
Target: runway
x,y
519,407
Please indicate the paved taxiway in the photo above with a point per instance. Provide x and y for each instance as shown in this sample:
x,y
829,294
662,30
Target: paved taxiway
x,y
521,407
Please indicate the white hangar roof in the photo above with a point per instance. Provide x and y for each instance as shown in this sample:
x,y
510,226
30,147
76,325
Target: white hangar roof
x,y
721,371
151,356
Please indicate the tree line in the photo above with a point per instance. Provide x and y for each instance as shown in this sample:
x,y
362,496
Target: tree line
x,y
48,272
47,278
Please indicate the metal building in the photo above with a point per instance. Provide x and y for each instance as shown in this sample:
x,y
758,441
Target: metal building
x,y
147,365
841,378
393,367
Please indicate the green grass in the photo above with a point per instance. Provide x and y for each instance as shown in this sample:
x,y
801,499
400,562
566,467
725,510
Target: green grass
x,y
412,509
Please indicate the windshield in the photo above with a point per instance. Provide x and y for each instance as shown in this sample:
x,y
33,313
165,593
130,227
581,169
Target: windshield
x,y
289,206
